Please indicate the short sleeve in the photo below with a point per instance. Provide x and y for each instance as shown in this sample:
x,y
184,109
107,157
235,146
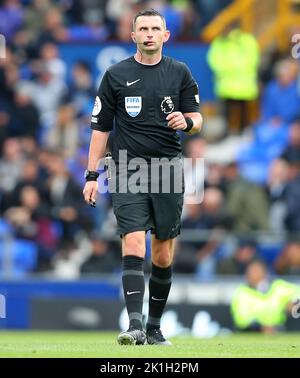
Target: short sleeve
x,y
104,107
189,94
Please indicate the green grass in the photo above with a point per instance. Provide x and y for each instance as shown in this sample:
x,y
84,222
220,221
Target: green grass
x,y
96,344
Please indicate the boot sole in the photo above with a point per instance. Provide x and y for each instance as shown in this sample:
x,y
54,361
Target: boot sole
x,y
126,339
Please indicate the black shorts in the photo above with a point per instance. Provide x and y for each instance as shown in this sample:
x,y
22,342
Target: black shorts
x,y
159,212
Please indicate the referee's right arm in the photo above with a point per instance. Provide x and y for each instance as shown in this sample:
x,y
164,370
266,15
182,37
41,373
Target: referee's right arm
x,y
101,123
96,152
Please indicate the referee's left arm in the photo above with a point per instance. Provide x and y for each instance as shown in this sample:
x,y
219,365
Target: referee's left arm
x,y
191,122
197,122
189,118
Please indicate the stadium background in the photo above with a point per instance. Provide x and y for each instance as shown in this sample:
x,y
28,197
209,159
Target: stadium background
x,y
59,259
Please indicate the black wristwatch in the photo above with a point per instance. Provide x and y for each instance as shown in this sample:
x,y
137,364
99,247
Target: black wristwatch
x,y
91,175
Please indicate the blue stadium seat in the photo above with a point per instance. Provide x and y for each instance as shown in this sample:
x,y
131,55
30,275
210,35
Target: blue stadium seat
x,y
269,252
4,227
23,254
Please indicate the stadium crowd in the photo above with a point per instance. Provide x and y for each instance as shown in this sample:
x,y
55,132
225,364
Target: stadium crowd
x,y
44,137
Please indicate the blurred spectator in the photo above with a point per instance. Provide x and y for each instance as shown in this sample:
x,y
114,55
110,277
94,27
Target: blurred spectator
x,y
289,260
25,119
53,63
35,14
102,258
31,221
256,155
67,205
124,24
93,28
43,155
46,93
114,10
6,89
11,18
174,18
260,304
190,19
281,98
200,256
215,176
23,51
247,204
234,58
29,177
293,199
96,6
9,78
81,90
29,147
292,151
53,28
243,256
208,9
276,187
12,79
64,135
10,169
4,124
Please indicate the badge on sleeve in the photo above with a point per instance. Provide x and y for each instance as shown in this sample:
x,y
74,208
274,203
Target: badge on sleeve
x,y
97,106
133,105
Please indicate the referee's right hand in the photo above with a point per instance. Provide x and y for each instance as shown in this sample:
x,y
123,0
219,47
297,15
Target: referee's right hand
x,y
90,191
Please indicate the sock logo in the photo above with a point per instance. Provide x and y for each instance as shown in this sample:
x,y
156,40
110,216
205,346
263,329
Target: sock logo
x,y
158,299
132,292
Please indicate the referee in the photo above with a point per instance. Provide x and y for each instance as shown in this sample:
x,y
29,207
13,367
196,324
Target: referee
x,y
148,98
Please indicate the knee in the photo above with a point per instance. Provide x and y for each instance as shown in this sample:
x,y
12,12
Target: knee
x,y
162,258
134,246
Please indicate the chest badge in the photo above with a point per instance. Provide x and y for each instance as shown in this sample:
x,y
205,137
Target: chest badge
x,y
167,105
133,105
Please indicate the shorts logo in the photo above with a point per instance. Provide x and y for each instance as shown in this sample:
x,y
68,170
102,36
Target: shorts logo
x,y
133,105
167,105
97,106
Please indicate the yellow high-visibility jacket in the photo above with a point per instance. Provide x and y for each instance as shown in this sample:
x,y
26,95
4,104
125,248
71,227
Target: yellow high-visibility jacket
x,y
267,309
234,61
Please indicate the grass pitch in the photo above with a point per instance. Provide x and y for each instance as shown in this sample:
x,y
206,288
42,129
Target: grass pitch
x,y
103,344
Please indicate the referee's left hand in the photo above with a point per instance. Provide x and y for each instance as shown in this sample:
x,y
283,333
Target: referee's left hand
x,y
176,121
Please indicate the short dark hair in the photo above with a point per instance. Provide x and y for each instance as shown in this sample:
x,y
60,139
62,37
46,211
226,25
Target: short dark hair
x,y
148,12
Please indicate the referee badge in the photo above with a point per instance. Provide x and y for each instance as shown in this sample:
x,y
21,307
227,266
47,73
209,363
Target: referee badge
x,y
97,106
167,105
133,105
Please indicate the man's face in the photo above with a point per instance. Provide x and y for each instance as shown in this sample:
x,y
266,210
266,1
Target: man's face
x,y
150,34
256,274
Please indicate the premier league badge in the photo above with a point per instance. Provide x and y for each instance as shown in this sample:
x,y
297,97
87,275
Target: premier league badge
x,y
167,105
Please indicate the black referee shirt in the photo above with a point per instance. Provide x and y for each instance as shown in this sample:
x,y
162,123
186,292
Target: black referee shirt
x,y
137,98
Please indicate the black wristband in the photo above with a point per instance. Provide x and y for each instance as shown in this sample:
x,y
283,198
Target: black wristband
x,y
91,175
190,124
91,178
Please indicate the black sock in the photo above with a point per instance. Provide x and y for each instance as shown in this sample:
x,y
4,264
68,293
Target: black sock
x,y
159,288
134,288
